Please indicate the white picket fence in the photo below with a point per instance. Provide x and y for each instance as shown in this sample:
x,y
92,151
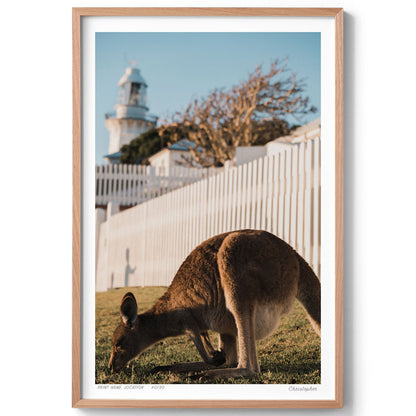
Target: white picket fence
x,y
130,185
145,245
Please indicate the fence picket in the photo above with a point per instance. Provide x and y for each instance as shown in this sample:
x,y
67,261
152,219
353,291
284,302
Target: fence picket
x,y
238,191
294,198
232,205
316,206
264,184
252,223
308,203
301,200
258,193
282,192
269,195
244,196
275,202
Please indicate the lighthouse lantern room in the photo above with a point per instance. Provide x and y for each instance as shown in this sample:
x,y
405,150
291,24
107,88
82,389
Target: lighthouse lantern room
x,y
131,118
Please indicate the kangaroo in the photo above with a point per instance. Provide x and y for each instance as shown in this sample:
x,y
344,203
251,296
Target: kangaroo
x,y
237,284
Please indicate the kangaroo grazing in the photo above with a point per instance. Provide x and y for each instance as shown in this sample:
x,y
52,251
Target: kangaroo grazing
x,y
237,284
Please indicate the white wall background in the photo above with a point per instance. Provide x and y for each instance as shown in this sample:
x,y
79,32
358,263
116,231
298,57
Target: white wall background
x,y
380,226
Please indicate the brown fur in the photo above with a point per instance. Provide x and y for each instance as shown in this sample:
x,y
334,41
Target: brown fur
x,y
237,284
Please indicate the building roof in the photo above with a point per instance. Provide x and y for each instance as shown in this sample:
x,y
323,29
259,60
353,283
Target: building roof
x,y
115,155
183,144
132,75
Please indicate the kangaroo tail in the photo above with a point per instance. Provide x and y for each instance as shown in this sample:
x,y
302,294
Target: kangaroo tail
x,y
309,293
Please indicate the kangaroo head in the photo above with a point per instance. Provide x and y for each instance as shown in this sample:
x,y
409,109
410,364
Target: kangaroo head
x,y
126,338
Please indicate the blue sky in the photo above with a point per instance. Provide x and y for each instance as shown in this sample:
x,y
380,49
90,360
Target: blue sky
x,y
181,66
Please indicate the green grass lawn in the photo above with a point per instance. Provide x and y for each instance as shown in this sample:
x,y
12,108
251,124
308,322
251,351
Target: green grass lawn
x,y
292,355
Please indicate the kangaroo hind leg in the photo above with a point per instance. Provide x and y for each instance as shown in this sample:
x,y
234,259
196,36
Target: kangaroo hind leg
x,y
239,271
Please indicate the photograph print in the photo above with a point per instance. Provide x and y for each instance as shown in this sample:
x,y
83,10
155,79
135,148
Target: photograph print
x,y
208,208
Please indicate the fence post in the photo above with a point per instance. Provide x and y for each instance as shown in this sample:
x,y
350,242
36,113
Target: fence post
x,y
112,208
99,219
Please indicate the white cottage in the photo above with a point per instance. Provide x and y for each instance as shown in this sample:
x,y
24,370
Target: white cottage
x,y
172,155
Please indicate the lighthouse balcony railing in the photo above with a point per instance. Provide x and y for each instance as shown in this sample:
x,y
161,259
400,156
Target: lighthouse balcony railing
x,y
110,115
149,117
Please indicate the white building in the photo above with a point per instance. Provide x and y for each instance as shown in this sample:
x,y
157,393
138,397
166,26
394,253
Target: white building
x,y
131,117
172,155
309,131
302,134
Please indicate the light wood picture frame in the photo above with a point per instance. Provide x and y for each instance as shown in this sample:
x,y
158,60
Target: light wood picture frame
x,y
79,398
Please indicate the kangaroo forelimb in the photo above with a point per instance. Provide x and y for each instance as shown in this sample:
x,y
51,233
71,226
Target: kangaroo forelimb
x,y
206,350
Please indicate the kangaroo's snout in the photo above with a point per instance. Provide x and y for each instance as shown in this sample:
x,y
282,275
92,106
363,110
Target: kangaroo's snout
x,y
112,365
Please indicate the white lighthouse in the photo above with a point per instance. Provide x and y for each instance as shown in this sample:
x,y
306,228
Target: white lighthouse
x,y
131,118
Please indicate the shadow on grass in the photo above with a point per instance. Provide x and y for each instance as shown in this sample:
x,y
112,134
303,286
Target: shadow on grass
x,y
299,373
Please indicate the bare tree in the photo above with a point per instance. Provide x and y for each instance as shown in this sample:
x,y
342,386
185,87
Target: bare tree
x,y
224,120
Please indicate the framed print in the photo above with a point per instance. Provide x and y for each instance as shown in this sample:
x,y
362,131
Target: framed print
x,y
207,207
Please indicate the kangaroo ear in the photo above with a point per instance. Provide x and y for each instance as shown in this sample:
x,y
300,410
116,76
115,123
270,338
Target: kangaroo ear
x,y
128,309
